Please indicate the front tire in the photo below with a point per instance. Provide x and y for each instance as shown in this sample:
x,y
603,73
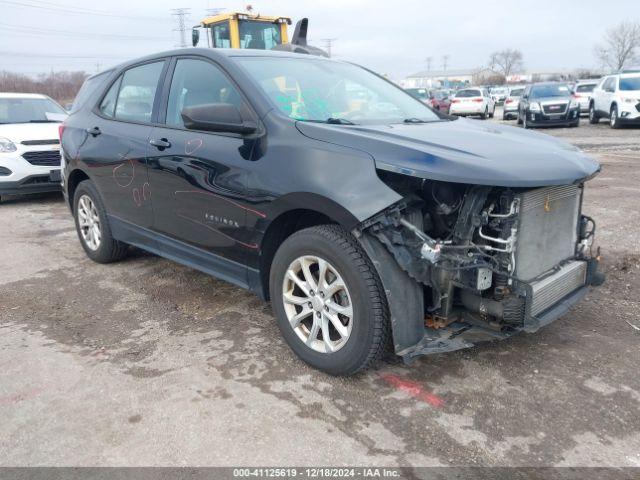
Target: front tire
x,y
92,226
328,300
485,114
525,123
614,118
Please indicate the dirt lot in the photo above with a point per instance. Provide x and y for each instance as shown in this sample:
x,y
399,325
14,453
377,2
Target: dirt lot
x,y
149,363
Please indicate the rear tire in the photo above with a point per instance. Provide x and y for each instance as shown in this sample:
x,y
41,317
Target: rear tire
x,y
363,296
614,119
593,116
92,226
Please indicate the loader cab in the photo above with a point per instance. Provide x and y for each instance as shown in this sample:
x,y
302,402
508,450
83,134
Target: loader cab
x,y
243,30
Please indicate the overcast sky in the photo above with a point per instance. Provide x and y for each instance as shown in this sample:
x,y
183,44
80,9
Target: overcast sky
x,y
392,37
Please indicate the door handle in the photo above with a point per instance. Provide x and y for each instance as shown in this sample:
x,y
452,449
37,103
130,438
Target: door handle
x,y
94,132
160,143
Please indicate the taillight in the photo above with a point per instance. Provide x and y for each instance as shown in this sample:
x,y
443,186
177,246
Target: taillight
x,y
509,100
454,101
478,100
60,131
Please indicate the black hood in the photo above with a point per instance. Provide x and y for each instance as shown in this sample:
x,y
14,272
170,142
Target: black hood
x,y
464,151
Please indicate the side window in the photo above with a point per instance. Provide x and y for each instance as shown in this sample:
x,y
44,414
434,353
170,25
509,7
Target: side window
x,y
136,94
608,84
197,82
108,105
221,37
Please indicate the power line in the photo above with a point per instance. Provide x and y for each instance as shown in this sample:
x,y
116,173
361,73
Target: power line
x,y
181,15
74,10
23,29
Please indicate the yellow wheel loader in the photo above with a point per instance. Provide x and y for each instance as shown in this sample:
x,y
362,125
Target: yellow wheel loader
x,y
249,30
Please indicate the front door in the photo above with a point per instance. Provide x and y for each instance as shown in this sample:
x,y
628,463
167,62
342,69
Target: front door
x,y
198,179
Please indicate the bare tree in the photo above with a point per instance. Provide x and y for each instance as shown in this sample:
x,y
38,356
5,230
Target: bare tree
x,y
620,45
61,86
506,62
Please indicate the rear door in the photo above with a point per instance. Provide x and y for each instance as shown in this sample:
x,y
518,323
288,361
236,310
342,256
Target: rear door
x,y
117,142
198,178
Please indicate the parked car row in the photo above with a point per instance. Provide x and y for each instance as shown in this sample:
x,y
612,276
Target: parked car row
x,y
437,99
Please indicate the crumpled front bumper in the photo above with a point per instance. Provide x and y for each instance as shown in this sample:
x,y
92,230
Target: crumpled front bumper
x,y
459,335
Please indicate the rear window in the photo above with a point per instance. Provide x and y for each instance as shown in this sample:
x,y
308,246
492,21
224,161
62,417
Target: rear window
x,y
585,88
468,93
516,92
89,86
632,83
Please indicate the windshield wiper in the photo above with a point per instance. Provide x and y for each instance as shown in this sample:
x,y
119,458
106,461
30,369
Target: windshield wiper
x,y
339,121
415,120
44,121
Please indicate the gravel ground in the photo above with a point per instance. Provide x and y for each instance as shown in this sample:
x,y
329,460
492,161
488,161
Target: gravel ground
x,y
146,362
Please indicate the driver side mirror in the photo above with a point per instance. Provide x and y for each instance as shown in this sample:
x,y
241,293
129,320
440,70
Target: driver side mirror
x,y
216,117
195,37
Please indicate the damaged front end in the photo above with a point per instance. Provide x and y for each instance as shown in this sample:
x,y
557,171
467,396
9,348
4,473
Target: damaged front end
x,y
462,264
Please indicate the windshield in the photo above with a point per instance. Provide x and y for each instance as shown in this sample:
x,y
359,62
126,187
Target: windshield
x,y
516,92
334,92
468,93
30,110
259,35
585,88
499,91
552,90
630,83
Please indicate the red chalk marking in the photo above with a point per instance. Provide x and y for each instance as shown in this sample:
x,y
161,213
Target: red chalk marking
x,y
414,389
18,397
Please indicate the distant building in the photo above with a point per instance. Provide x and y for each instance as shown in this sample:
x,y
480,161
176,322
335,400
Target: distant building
x,y
443,78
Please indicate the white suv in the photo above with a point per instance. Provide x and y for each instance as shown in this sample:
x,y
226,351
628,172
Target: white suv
x,y
616,97
29,144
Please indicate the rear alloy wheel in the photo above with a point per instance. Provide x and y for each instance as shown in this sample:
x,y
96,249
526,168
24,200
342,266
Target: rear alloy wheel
x,y
593,116
92,226
614,119
328,300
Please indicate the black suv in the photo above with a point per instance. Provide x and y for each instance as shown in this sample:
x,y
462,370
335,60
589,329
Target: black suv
x,y
548,104
368,219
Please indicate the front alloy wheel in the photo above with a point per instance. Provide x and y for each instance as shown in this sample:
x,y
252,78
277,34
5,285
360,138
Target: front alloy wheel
x,y
89,223
329,301
317,304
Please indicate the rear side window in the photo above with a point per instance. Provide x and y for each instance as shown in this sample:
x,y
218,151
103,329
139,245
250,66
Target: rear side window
x,y
89,87
197,82
132,96
108,105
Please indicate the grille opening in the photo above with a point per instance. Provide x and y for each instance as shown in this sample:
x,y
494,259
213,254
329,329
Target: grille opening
x,y
49,158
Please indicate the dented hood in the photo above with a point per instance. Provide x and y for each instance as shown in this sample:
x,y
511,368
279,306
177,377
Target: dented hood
x,y
464,151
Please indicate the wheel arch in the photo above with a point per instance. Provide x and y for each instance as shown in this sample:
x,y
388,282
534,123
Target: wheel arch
x,y
292,213
75,177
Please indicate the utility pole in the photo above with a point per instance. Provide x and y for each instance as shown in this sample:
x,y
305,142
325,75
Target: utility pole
x,y
445,61
428,60
328,43
181,15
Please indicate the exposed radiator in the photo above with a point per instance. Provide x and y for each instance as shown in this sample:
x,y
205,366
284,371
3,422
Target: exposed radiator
x,y
555,287
547,229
